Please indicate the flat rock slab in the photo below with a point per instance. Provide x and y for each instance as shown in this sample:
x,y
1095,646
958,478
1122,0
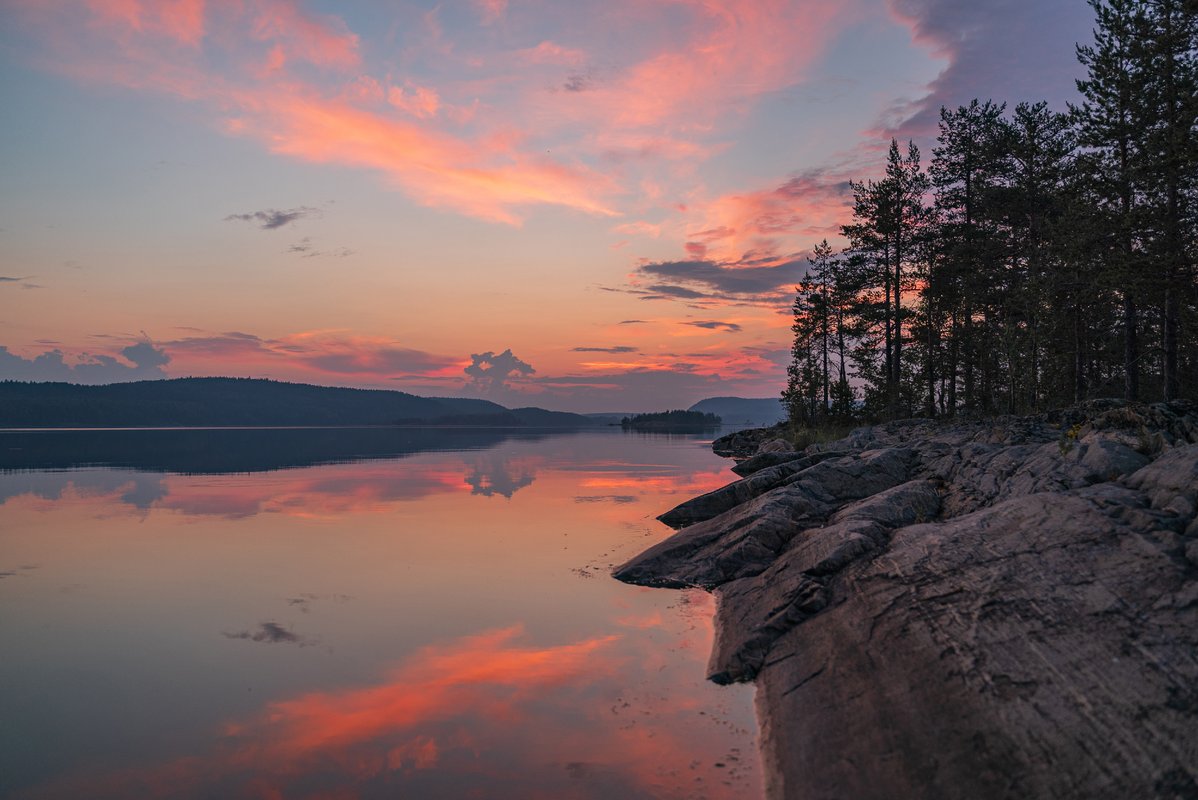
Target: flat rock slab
x,y
1044,647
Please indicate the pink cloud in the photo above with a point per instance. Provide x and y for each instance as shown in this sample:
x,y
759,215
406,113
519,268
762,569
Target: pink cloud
x,y
548,52
263,96
419,101
491,10
181,20
321,40
732,51
317,356
793,215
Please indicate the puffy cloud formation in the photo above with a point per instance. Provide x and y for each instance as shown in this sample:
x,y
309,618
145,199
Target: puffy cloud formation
x,y
1007,51
490,373
142,361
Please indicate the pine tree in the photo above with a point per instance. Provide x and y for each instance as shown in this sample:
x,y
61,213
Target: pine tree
x,y
1110,124
963,172
1170,73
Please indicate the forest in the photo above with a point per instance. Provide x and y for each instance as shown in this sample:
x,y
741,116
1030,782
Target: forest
x,y
676,421
1042,257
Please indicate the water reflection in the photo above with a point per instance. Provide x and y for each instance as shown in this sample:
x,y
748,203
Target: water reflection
x,y
491,715
439,625
213,451
337,489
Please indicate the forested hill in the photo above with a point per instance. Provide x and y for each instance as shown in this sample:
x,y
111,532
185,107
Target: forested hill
x,y
246,402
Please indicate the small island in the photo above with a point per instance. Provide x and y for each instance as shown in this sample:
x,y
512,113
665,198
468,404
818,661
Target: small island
x,y
672,422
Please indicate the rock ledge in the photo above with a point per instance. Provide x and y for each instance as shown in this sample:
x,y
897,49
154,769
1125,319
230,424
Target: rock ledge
x,y
997,609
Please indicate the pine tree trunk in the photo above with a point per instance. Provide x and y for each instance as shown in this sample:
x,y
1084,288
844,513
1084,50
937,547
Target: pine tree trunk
x,y
1131,350
1172,382
896,379
1079,358
967,347
931,365
954,346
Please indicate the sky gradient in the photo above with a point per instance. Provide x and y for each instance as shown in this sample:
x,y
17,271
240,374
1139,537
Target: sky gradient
x,y
574,205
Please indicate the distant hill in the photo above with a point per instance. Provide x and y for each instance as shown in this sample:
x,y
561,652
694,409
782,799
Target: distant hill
x,y
741,412
192,402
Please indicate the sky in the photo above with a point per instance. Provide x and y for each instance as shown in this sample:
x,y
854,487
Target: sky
x,y
576,205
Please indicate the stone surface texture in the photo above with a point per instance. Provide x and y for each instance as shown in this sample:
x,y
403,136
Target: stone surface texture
x,y
996,609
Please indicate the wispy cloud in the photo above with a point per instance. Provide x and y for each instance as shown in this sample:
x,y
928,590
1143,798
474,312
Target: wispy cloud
x,y
765,280
267,633
618,349
316,355
305,248
272,219
545,130
715,325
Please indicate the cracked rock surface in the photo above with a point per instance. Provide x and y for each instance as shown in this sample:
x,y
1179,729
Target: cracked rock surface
x,y
999,609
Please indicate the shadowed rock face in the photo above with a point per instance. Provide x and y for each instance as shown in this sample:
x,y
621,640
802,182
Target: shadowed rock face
x,y
1005,609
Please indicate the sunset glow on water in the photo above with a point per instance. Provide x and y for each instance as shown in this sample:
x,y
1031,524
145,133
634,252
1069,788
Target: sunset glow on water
x,y
440,624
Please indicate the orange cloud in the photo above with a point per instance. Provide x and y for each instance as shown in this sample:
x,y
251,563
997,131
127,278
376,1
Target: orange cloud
x,y
181,20
314,355
483,178
321,40
419,101
297,82
731,52
322,118
794,215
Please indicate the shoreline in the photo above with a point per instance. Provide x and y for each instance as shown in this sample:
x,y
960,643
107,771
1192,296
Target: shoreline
x,y
987,609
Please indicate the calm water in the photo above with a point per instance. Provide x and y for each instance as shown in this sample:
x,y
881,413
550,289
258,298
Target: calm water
x,y
339,614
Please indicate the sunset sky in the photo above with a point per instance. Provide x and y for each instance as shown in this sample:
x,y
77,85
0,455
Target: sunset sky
x,y
577,205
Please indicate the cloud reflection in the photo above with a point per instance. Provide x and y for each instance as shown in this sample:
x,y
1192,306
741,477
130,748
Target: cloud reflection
x,y
431,709
490,715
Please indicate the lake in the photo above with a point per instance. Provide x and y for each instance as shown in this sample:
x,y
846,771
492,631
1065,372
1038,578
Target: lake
x,y
355,613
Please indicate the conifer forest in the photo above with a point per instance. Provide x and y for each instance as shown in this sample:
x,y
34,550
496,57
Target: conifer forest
x,y
1039,257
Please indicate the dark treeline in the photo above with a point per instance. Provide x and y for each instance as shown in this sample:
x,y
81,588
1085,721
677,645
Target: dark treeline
x,y
674,421
1040,259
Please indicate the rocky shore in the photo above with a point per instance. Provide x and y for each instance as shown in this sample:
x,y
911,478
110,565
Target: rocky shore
x,y
997,609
